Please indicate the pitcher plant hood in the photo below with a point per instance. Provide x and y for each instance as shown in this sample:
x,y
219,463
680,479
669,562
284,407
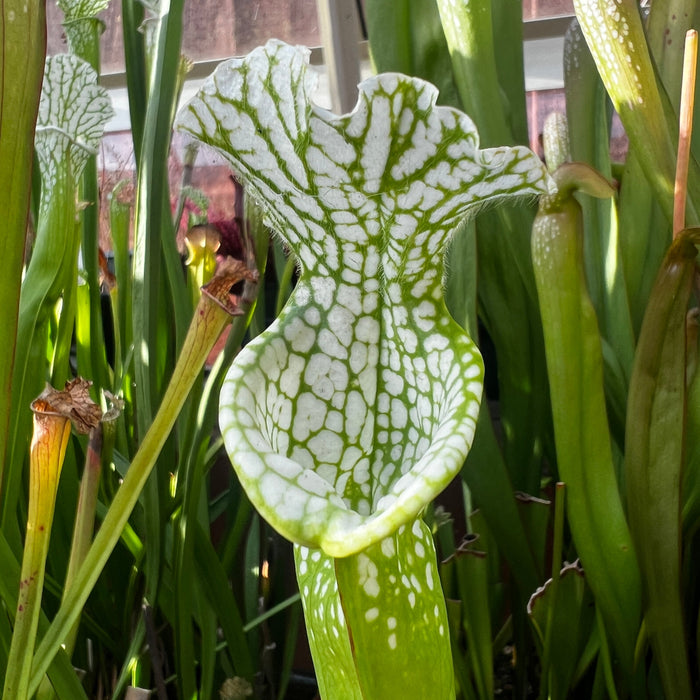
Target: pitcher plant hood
x,y
358,405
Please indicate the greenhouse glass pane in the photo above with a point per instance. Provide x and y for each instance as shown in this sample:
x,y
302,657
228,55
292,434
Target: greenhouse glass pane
x,y
533,9
213,29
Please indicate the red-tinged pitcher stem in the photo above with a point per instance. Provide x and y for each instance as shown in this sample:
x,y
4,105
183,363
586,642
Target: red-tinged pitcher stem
x,y
53,411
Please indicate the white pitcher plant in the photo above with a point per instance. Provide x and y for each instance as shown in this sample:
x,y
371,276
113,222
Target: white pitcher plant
x,y
358,405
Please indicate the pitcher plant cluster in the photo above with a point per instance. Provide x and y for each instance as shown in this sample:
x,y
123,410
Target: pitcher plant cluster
x,y
378,255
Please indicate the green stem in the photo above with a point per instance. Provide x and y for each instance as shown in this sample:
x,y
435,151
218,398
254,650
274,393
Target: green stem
x,y
96,366
158,291
135,63
83,33
472,578
588,120
99,452
120,295
285,283
557,548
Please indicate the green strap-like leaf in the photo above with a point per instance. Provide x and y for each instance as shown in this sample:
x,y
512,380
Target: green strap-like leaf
x,y
83,29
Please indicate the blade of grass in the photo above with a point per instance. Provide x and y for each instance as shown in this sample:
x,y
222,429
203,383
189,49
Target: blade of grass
x,y
469,32
487,477
190,480
294,617
138,638
691,471
568,617
152,224
153,263
395,47
119,219
506,291
83,31
92,327
251,582
472,581
666,27
208,635
553,583
640,213
135,63
215,583
508,35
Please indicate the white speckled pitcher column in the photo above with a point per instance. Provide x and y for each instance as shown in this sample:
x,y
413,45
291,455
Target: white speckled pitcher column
x,y
358,405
